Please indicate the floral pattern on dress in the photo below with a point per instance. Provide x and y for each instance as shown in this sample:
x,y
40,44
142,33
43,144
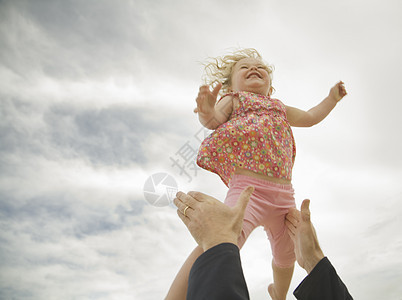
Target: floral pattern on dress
x,y
257,137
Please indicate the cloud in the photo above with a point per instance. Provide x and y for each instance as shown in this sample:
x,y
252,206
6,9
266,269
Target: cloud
x,y
115,135
65,223
71,39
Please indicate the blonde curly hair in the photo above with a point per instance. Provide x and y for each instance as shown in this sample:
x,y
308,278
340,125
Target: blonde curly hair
x,y
219,69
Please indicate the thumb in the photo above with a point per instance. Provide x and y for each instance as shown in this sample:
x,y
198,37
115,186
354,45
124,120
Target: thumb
x,y
244,198
305,210
216,89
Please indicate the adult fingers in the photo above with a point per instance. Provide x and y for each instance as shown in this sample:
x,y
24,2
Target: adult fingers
x,y
305,210
244,198
291,227
185,209
184,218
291,231
187,199
180,205
293,216
293,213
199,197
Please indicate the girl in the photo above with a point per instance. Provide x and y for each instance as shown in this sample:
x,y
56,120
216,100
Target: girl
x,y
253,145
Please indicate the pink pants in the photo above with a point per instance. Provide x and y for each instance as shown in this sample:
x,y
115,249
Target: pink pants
x,y
268,207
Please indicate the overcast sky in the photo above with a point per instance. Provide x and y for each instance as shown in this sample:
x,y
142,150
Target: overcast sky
x,y
97,96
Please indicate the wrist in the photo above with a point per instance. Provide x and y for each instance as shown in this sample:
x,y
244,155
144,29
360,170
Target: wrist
x,y
333,99
210,112
218,240
313,261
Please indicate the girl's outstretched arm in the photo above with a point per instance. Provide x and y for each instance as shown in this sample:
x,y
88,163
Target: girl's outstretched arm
x,y
301,118
210,114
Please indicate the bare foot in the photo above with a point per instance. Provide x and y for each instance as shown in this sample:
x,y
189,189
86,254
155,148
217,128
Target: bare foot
x,y
272,292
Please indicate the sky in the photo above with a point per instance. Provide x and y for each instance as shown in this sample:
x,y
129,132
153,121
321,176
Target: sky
x,y
96,99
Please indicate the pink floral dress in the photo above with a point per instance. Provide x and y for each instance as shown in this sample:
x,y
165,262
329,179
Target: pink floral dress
x,y
257,137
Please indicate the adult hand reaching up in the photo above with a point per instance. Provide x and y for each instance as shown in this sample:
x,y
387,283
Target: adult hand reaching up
x,y
210,221
302,232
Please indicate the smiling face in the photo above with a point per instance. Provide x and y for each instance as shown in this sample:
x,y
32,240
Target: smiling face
x,y
251,75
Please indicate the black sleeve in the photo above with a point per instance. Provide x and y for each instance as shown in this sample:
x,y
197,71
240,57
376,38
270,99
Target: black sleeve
x,y
322,283
218,274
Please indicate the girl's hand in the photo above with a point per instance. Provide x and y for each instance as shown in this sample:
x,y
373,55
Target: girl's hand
x,y
206,99
338,91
